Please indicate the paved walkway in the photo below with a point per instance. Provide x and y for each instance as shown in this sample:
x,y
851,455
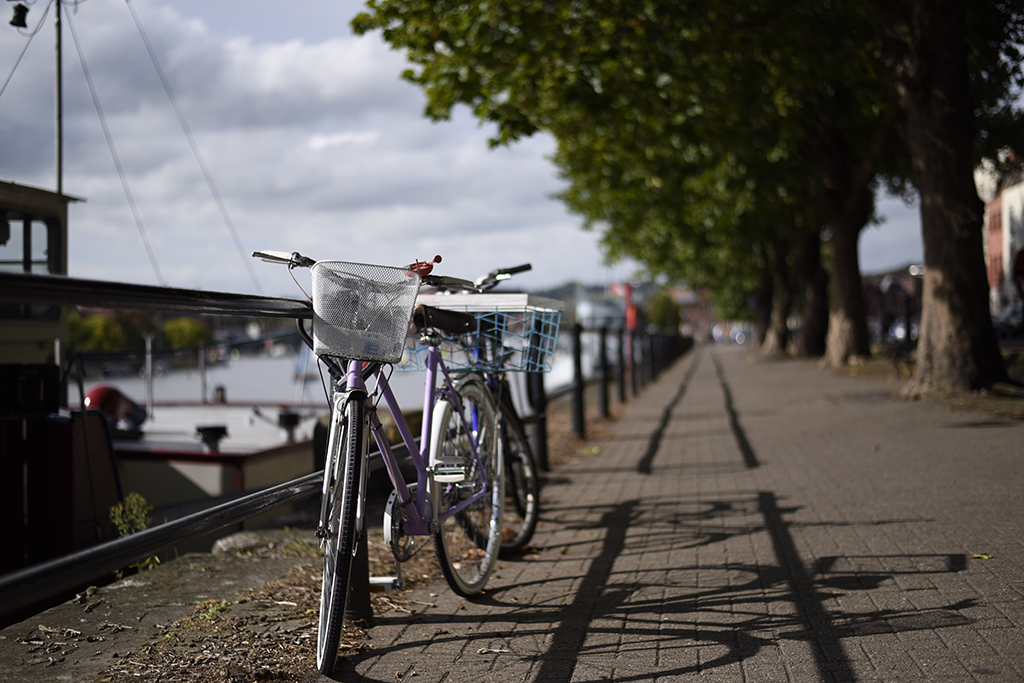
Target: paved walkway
x,y
752,520
745,520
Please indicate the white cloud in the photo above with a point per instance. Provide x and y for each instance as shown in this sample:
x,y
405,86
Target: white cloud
x,y
318,143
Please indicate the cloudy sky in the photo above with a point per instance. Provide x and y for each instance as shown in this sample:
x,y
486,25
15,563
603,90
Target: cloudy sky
x,y
313,141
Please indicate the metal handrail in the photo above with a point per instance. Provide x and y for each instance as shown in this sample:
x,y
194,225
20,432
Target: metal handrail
x,y
34,584
24,288
40,582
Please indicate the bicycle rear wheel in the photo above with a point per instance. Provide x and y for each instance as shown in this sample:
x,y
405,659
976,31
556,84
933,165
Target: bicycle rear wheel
x,y
467,495
343,473
522,489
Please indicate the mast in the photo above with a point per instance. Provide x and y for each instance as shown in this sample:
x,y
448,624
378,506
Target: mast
x,y
59,105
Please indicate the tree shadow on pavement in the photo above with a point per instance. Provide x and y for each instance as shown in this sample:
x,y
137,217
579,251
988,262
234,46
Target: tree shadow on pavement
x,y
625,615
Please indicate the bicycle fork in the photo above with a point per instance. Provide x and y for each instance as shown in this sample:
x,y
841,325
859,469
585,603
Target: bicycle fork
x,y
336,465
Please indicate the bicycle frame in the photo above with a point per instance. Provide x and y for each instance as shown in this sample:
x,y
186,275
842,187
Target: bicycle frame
x,y
419,513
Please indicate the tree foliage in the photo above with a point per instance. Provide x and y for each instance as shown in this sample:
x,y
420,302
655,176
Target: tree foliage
x,y
95,333
185,332
687,132
663,312
704,137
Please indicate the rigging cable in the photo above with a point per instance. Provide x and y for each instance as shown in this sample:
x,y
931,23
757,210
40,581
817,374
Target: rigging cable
x,y
25,49
113,152
195,150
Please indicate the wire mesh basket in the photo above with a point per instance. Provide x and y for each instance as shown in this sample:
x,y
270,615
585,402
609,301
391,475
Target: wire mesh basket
x,y
514,333
360,311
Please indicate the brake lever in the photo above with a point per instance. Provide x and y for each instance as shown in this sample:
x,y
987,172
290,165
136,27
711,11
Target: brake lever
x,y
423,268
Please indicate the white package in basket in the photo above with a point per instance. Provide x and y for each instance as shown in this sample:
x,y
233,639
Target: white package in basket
x,y
362,311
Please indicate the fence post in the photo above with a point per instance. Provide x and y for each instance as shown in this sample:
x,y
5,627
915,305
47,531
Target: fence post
x,y
538,399
621,366
203,397
602,394
645,354
655,344
652,362
644,361
633,366
640,350
149,374
578,385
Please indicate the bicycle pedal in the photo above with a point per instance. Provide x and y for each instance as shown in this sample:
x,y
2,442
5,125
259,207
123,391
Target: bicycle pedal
x,y
384,584
448,474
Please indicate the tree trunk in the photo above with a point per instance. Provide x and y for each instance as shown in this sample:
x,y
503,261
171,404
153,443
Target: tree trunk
x,y
762,311
957,349
814,280
847,203
777,335
847,320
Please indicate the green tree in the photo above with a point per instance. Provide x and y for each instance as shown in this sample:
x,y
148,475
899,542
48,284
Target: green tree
x,y
663,312
95,333
704,125
185,332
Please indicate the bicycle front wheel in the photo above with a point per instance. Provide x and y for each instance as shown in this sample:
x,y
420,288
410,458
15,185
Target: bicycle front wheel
x,y
343,474
467,487
522,489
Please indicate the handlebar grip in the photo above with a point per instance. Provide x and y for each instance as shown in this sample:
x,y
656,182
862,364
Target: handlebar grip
x,y
291,259
448,282
273,256
516,269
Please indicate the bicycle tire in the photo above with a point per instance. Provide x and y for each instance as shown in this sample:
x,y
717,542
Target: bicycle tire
x,y
522,487
341,490
468,542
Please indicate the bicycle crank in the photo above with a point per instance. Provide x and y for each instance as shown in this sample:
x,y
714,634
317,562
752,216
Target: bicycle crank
x,y
402,545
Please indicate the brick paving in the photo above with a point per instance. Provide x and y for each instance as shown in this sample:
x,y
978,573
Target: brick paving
x,y
751,520
743,520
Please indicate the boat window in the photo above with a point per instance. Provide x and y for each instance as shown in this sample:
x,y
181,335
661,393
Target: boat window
x,y
29,244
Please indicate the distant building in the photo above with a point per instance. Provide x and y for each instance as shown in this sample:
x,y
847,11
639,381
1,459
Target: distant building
x,y
1003,233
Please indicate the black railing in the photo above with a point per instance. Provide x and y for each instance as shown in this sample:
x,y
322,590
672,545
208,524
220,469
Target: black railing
x,y
44,581
641,357
57,289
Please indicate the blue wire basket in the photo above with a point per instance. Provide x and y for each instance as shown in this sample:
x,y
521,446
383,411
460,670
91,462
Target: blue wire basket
x,y
514,333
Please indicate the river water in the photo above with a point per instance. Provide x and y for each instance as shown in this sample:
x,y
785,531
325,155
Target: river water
x,y
283,380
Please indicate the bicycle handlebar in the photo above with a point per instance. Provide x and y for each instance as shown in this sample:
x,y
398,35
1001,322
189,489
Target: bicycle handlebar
x,y
490,280
296,260
517,269
292,260
449,283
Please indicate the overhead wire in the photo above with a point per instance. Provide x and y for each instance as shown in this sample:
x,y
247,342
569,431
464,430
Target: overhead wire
x,y
113,152
207,175
28,42
195,150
